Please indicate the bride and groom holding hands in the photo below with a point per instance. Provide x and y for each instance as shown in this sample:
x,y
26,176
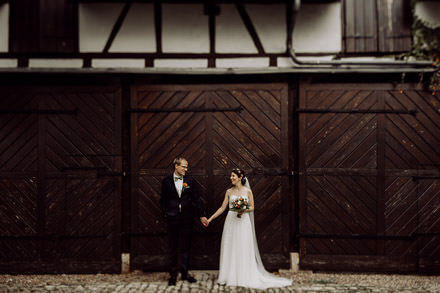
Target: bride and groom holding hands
x,y
240,261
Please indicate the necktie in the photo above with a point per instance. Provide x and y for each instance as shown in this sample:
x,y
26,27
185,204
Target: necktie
x,y
178,178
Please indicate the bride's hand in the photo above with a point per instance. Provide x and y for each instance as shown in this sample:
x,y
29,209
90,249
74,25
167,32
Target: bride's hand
x,y
204,221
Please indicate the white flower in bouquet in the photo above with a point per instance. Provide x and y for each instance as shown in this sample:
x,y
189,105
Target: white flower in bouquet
x,y
241,204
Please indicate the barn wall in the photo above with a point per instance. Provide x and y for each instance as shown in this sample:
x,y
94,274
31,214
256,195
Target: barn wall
x,y
370,165
60,182
354,191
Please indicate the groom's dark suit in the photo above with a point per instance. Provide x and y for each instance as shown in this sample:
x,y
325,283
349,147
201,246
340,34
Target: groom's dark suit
x,y
178,210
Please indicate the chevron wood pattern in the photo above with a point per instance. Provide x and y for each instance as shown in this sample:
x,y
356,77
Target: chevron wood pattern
x,y
58,149
214,142
364,191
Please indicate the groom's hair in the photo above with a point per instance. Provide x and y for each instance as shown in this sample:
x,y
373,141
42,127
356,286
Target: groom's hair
x,y
179,161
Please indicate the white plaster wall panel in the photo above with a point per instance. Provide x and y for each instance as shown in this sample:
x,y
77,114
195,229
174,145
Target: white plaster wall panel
x,y
8,63
270,23
56,63
4,27
231,33
318,28
184,29
181,63
137,33
283,62
96,21
118,63
242,62
429,13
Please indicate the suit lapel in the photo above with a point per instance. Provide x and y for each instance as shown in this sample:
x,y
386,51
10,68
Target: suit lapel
x,y
183,184
173,186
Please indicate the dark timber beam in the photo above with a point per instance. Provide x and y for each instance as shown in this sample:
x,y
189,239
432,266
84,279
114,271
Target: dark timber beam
x,y
158,25
117,26
212,10
250,27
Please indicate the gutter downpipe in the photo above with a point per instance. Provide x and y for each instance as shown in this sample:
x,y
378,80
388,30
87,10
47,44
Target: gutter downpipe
x,y
292,11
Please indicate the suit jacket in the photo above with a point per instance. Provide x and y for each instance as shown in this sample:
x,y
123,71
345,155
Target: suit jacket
x,y
170,200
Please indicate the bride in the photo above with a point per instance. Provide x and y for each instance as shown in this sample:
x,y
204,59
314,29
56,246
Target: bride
x,y
240,261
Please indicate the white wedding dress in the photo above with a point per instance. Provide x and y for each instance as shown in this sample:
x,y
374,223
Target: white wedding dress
x,y
240,261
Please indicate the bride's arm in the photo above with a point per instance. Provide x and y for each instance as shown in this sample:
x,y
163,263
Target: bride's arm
x,y
251,201
221,209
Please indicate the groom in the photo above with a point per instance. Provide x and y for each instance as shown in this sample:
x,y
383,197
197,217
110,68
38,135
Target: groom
x,y
177,198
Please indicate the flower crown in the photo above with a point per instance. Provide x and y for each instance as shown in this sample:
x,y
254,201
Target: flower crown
x,y
239,172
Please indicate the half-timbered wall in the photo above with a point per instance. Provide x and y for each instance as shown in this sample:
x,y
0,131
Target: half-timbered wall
x,y
149,34
185,28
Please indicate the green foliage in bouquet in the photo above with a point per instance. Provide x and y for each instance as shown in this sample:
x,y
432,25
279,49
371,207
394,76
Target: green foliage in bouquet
x,y
241,204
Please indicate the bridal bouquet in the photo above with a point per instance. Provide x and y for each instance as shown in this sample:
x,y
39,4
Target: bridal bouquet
x,y
240,205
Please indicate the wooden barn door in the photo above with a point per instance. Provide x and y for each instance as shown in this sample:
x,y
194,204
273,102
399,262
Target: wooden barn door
x,y
59,180
217,127
369,163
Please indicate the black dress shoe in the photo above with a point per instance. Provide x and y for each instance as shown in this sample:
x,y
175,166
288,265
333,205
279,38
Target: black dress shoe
x,y
189,278
172,281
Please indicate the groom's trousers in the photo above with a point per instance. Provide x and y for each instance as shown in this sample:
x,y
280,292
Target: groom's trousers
x,y
179,235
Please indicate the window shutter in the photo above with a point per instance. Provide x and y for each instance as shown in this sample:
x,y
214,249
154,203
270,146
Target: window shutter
x,y
360,26
377,26
24,25
394,26
46,26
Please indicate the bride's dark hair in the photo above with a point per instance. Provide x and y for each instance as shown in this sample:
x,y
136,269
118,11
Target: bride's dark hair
x,y
240,173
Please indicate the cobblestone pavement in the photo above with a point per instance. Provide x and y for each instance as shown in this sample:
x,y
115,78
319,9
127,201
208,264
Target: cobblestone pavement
x,y
157,282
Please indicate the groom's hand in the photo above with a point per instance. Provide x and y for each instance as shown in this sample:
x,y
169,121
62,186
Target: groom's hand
x,y
204,221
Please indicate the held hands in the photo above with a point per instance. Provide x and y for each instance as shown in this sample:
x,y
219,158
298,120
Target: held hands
x,y
204,221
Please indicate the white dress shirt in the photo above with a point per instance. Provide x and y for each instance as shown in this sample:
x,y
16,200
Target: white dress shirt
x,y
178,184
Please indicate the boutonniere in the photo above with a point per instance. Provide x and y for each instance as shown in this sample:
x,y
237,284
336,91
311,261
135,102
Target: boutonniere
x,y
185,186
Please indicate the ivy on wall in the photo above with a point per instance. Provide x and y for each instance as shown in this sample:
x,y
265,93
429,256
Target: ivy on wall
x,y
426,46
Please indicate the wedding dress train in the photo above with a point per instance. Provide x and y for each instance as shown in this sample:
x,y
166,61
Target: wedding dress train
x,y
240,261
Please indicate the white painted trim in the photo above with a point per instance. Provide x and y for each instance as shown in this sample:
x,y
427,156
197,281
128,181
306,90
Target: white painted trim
x,y
242,62
180,63
8,63
118,63
55,63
